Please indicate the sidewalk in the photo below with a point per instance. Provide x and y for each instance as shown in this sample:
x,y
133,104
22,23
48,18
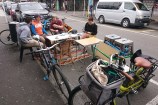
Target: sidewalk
x,y
82,14
22,83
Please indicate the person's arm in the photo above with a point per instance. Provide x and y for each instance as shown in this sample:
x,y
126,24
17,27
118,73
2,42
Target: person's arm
x,y
44,31
86,27
59,25
51,27
94,30
33,31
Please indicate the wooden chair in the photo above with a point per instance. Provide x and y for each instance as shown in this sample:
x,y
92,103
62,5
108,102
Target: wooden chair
x,y
65,49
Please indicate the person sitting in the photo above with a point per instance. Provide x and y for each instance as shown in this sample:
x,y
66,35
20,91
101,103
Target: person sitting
x,y
90,29
37,28
56,26
25,37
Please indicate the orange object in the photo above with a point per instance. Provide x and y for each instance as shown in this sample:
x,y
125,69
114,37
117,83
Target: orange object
x,y
38,27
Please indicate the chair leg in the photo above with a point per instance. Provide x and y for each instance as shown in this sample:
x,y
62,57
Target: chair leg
x,y
21,53
31,50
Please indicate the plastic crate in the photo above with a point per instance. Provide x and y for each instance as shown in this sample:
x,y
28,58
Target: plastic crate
x,y
111,38
125,46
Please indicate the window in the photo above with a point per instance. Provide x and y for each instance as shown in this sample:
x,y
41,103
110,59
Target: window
x,y
141,6
109,5
129,6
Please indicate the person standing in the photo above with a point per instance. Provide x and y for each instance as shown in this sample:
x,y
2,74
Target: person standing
x,y
66,6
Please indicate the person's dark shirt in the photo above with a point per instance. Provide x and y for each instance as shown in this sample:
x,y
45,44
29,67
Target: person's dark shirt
x,y
91,28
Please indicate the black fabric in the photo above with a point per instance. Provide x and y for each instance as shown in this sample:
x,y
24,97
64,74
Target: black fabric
x,y
138,53
91,28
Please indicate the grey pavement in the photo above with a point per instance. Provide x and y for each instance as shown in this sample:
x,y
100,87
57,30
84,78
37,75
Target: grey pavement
x,y
22,83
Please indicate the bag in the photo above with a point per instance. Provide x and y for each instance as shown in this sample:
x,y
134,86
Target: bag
x,y
99,92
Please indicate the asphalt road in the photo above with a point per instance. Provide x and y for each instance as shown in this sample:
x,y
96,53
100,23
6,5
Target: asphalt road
x,y
26,77
144,38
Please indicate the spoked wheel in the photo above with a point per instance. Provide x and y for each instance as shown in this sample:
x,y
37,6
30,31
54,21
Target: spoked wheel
x,y
78,97
61,81
5,37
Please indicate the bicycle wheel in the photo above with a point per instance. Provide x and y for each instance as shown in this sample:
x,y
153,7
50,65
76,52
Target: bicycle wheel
x,y
61,81
5,37
78,97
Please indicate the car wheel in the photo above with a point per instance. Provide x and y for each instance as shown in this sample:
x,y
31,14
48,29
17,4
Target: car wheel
x,y
125,23
101,19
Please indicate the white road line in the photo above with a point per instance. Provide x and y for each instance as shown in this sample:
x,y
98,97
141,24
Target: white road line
x,y
145,34
154,101
154,82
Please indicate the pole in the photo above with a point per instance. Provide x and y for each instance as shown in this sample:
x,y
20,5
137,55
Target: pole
x,y
84,8
74,6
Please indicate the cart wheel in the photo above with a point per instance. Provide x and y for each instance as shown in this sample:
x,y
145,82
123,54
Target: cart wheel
x,y
5,37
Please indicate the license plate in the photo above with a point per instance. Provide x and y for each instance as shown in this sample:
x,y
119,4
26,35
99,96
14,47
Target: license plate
x,y
145,24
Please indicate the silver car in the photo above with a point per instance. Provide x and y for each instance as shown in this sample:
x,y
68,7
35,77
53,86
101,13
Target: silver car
x,y
29,9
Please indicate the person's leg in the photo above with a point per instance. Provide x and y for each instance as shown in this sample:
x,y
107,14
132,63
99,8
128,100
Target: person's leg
x,y
42,39
33,43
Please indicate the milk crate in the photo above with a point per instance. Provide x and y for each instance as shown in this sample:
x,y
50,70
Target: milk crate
x,y
111,38
125,46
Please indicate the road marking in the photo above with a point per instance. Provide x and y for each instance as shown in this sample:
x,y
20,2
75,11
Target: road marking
x,y
154,82
145,34
154,101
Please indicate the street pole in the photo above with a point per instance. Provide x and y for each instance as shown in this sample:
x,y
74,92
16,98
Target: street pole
x,y
74,7
84,8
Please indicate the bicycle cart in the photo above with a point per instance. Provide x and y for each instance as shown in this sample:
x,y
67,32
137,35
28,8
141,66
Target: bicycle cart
x,y
139,73
9,36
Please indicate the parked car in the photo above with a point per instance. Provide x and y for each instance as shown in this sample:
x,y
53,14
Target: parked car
x,y
45,6
12,11
8,6
29,9
123,12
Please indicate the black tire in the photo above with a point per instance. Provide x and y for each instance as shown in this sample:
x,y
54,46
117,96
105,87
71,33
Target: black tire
x,y
61,81
5,37
77,97
125,23
101,19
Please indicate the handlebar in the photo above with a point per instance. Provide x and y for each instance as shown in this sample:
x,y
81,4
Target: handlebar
x,y
120,69
48,48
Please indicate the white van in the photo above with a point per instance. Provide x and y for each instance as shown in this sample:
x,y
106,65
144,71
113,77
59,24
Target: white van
x,y
124,12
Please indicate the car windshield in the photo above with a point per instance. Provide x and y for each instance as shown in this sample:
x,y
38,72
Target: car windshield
x,y
31,6
141,6
43,5
14,6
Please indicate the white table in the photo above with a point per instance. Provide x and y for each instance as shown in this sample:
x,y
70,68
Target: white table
x,y
62,36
